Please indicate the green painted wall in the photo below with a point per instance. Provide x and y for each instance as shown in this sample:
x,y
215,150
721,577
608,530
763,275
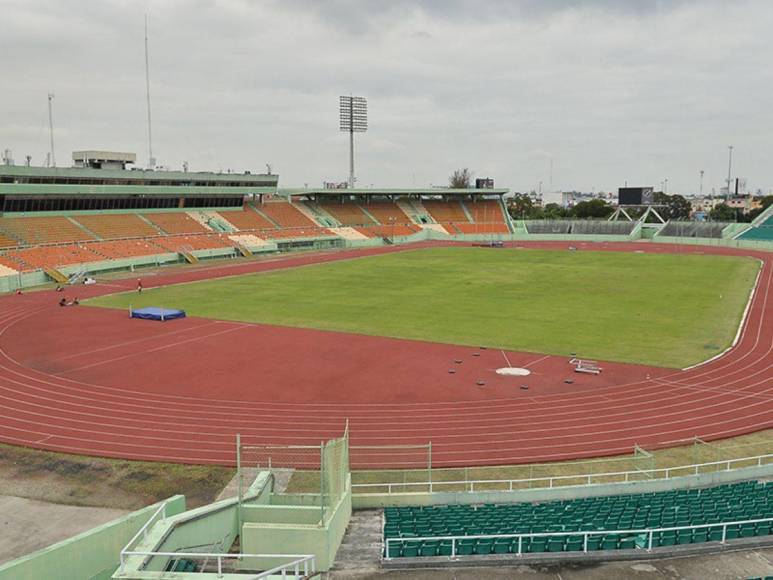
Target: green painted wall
x,y
91,555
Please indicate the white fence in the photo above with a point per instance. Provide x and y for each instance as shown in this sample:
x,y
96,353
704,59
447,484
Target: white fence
x,y
549,482
648,533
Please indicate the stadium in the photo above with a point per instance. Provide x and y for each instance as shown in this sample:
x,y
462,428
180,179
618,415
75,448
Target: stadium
x,y
399,377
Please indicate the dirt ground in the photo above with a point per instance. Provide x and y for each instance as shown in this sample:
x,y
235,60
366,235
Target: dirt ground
x,y
109,483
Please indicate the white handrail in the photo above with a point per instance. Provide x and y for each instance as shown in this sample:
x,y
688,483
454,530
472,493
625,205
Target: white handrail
x,y
667,472
143,530
584,533
298,561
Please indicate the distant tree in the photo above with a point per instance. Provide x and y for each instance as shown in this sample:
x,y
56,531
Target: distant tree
x,y
460,179
723,213
594,208
676,206
553,211
520,206
765,202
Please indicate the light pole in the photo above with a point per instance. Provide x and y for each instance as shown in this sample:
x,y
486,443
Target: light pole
x,y
665,185
729,167
700,190
354,119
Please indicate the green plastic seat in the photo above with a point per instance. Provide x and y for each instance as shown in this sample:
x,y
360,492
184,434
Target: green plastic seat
x,y
502,546
465,547
628,543
484,546
574,544
429,548
394,549
700,535
610,542
556,544
411,549
537,545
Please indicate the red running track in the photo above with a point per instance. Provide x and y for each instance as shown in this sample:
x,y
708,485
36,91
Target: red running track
x,y
92,381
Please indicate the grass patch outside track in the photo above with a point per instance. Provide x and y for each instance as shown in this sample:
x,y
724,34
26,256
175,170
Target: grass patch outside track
x,y
658,309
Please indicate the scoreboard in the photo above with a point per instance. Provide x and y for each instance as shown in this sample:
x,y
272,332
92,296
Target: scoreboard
x,y
636,196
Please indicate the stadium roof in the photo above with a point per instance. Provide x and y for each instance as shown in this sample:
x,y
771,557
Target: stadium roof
x,y
393,191
25,174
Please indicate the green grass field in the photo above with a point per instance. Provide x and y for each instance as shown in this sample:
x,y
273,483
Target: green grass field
x,y
658,309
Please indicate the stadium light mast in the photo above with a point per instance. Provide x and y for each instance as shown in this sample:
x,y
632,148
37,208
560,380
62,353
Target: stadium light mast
x,y
354,119
729,167
151,159
51,126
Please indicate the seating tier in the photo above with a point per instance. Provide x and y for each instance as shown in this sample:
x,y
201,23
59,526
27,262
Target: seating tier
x,y
111,226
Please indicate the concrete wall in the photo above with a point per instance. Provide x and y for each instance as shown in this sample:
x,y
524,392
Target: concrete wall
x,y
93,555
275,537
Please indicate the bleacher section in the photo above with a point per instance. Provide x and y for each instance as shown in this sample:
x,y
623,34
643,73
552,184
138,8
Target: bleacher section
x,y
116,249
387,212
50,256
285,214
722,504
388,231
348,214
247,219
200,242
548,227
693,229
485,211
176,223
580,227
762,231
111,226
446,211
43,230
6,242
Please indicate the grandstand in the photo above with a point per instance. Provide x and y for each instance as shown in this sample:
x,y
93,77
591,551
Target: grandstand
x,y
762,228
620,522
693,229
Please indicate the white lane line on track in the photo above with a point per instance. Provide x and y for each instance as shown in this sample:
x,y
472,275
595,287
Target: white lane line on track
x,y
134,341
156,349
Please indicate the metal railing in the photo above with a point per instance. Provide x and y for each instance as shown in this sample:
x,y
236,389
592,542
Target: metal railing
x,y
300,565
549,482
649,532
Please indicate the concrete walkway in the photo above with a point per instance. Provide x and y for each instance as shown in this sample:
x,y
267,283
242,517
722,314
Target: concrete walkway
x,y
28,525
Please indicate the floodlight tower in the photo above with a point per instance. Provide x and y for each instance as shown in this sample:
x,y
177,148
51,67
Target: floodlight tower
x,y
354,119
729,167
51,127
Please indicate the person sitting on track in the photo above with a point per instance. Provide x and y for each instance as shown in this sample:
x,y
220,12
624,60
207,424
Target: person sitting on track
x,y
63,301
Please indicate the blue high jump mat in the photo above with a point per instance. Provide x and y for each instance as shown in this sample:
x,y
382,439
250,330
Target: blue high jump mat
x,y
155,313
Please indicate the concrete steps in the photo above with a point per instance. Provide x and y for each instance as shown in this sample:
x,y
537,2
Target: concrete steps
x,y
360,549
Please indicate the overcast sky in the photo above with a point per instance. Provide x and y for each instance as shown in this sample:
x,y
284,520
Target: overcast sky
x,y
610,90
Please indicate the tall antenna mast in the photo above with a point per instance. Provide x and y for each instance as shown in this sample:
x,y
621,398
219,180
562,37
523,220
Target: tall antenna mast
x,y
51,127
151,159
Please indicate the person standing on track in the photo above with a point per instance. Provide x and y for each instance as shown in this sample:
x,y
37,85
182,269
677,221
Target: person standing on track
x,y
139,286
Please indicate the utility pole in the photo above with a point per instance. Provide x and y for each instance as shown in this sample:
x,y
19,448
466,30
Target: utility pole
x,y
51,126
729,167
700,190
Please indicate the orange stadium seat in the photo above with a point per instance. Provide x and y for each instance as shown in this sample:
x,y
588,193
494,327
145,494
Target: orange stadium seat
x,y
446,211
53,256
109,226
302,232
349,214
43,230
388,231
485,211
176,223
116,249
247,219
387,212
6,242
193,242
286,215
